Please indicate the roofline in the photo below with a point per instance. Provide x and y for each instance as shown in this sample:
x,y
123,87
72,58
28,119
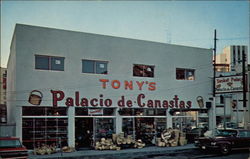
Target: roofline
x,y
45,27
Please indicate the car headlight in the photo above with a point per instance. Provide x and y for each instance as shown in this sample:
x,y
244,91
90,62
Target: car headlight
x,y
213,143
196,141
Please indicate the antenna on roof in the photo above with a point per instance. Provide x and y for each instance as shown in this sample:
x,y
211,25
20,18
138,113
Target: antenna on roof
x,y
168,36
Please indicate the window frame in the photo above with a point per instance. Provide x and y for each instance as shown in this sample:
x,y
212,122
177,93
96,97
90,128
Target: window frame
x,y
186,77
143,73
95,67
50,59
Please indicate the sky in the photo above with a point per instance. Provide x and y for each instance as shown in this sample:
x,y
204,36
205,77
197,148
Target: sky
x,y
189,23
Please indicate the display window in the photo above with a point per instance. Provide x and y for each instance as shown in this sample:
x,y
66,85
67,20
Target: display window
x,y
128,126
104,128
161,125
88,130
144,128
44,131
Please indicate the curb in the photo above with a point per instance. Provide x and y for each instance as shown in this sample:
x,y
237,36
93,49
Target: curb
x,y
93,154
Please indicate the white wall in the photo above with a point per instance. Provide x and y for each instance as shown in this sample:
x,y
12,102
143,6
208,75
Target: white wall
x,y
11,83
121,54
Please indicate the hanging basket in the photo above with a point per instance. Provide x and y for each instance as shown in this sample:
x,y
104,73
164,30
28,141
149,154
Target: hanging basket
x,y
35,97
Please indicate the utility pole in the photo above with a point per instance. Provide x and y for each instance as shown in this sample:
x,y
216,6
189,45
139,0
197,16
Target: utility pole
x,y
213,111
244,77
244,86
214,62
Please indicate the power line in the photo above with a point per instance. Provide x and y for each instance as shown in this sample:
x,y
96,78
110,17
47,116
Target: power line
x,y
234,38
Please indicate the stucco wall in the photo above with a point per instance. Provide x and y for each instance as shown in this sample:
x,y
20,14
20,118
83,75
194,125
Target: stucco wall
x,y
121,54
11,83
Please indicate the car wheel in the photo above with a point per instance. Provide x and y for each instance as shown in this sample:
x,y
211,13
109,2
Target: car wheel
x,y
225,149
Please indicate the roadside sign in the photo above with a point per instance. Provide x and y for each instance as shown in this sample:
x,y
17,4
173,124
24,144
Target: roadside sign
x,y
228,84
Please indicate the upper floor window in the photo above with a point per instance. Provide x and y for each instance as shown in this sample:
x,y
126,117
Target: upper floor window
x,y
239,61
185,74
222,100
96,67
49,63
143,70
234,56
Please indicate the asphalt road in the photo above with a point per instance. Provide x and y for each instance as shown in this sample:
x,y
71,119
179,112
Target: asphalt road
x,y
186,154
197,154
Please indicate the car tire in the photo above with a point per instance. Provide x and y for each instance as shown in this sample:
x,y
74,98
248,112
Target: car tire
x,y
225,149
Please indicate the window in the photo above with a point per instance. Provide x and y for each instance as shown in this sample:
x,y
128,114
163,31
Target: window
x,y
221,99
96,67
239,61
185,74
244,133
49,63
234,56
143,70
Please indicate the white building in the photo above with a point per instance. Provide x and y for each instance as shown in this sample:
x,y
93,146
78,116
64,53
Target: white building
x,y
63,83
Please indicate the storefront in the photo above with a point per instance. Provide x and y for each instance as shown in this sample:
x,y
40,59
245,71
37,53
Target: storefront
x,y
78,90
44,125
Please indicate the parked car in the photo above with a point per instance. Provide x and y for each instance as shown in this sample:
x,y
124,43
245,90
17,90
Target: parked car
x,y
11,147
225,140
195,133
229,125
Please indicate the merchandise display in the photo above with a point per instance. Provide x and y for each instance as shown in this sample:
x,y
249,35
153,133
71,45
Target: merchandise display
x,y
45,149
118,142
171,137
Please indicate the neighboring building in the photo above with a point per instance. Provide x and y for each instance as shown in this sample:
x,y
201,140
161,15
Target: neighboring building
x,y
229,103
231,58
248,77
63,83
3,84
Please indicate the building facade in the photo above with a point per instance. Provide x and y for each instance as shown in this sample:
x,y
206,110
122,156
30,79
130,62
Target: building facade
x,y
229,104
3,86
231,58
67,85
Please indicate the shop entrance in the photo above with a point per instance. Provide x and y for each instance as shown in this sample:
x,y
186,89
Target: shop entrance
x,y
145,130
84,132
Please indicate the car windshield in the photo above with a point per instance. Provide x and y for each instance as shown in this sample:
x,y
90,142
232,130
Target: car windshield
x,y
226,133
10,144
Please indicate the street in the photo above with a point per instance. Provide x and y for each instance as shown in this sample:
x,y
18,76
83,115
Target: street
x,y
196,154
184,154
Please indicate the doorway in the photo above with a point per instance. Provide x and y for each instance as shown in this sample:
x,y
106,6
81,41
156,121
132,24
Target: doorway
x,y
145,130
84,132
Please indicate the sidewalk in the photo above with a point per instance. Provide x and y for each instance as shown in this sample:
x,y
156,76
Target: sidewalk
x,y
113,154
